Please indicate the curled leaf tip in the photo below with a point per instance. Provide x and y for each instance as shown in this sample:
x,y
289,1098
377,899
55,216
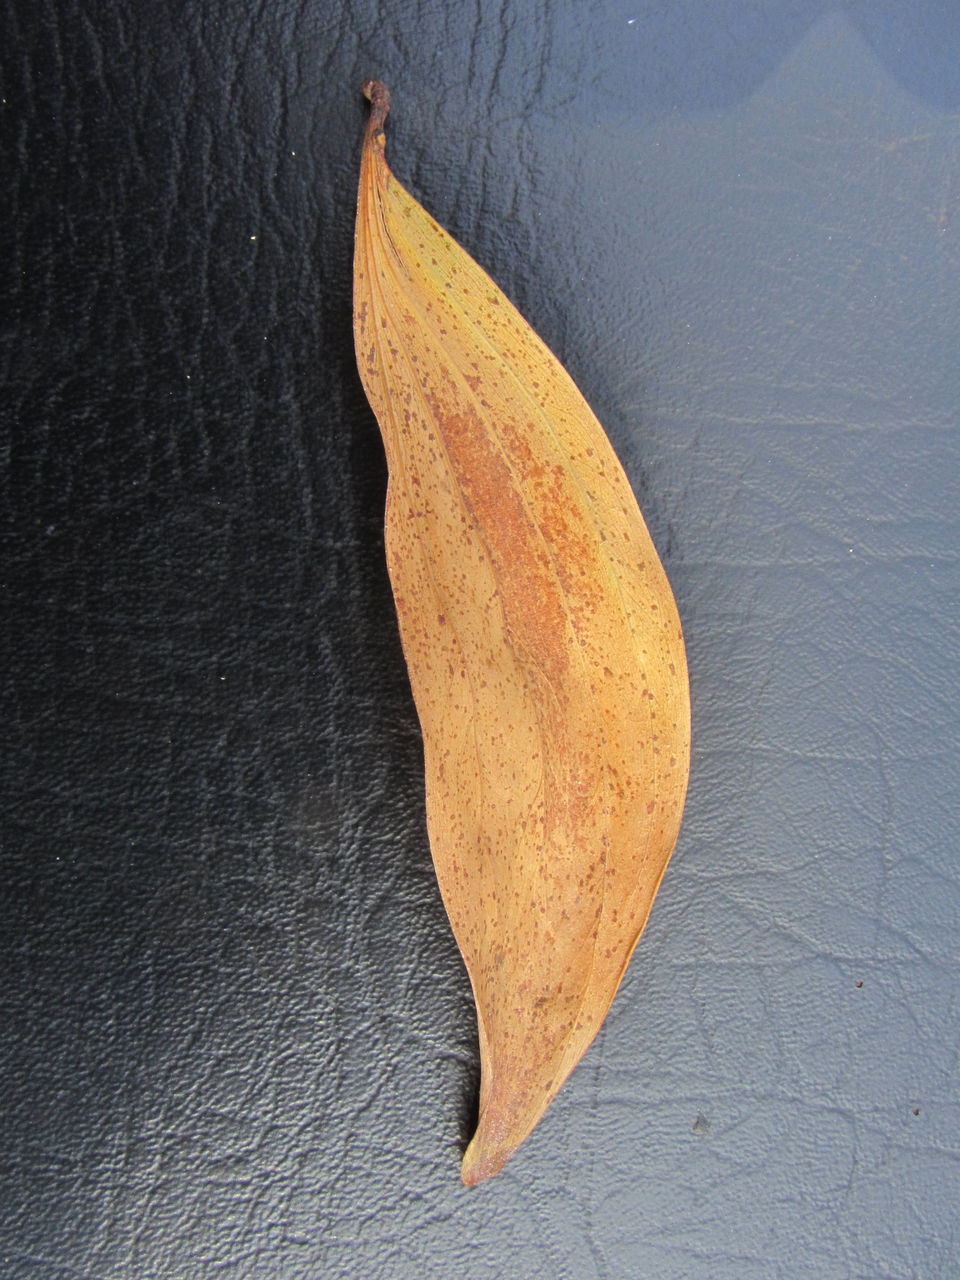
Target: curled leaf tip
x,y
480,1163
378,95
474,1172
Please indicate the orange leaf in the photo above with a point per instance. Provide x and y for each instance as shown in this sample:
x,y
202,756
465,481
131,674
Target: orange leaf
x,y
543,645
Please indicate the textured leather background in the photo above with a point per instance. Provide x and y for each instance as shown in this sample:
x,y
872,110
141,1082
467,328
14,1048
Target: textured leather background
x,y
237,1039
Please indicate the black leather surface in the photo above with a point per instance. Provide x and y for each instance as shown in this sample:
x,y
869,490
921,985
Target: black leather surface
x,y
237,1039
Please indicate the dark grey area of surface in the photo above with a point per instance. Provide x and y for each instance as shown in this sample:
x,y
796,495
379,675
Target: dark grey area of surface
x,y
237,1039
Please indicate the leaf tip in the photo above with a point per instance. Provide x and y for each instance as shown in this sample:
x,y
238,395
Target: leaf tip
x,y
504,1123
479,1164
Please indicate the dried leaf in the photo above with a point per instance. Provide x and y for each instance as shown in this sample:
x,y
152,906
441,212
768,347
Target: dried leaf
x,y
543,645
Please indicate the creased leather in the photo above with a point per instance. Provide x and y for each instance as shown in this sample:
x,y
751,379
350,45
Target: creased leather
x,y
236,1038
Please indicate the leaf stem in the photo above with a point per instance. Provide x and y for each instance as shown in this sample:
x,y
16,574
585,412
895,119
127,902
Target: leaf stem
x,y
379,96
